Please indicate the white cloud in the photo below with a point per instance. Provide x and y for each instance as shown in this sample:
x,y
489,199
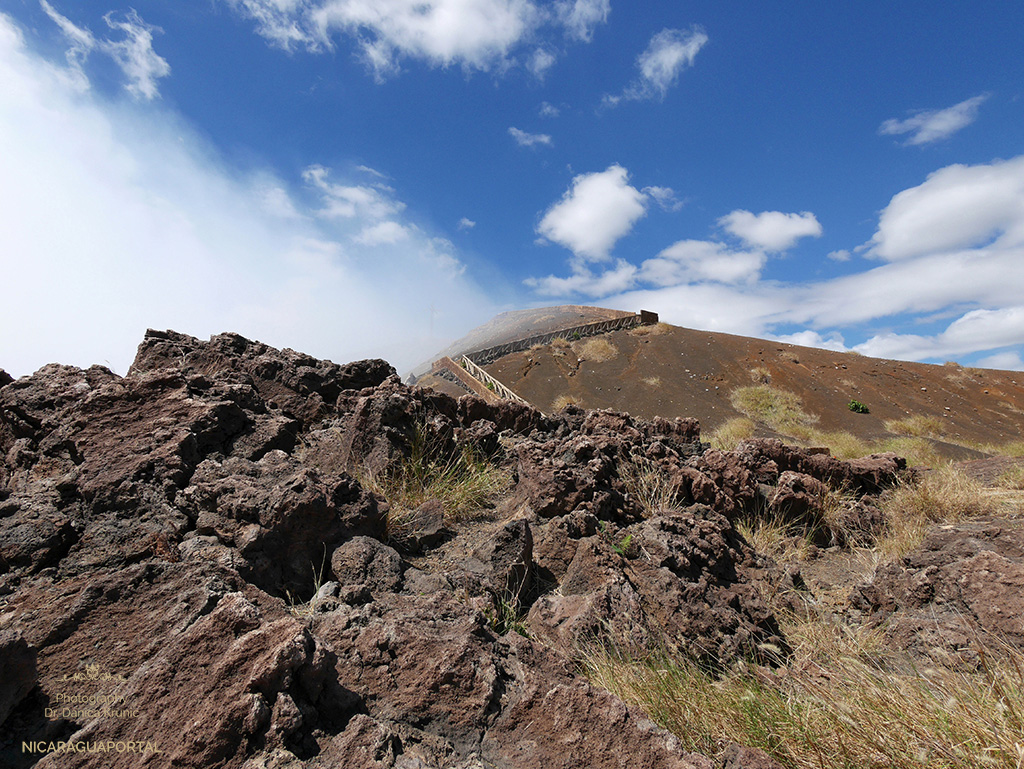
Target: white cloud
x,y
466,223
665,197
540,62
699,260
580,17
1005,361
583,281
956,207
928,126
524,139
594,213
347,201
973,331
548,110
813,339
115,221
134,54
382,233
476,34
772,231
840,255
667,55
707,284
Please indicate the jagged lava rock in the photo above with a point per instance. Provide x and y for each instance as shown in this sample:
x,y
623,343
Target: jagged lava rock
x,y
154,527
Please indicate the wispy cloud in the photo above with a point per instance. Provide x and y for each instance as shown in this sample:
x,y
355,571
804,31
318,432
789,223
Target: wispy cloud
x,y
548,110
133,54
466,223
474,34
665,197
669,53
524,139
580,17
927,126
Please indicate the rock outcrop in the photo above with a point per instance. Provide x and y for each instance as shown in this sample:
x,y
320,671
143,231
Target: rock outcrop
x,y
193,573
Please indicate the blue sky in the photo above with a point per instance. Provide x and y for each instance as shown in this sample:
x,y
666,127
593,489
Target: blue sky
x,y
372,179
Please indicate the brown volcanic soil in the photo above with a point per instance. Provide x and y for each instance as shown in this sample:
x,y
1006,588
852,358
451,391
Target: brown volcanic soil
x,y
670,371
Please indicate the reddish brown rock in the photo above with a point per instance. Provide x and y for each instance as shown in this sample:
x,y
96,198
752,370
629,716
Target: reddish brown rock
x,y
964,580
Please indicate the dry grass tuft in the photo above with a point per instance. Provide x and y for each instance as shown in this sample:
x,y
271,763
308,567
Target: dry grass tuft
x,y
463,482
843,444
917,426
945,495
780,409
726,437
561,401
1012,479
838,703
652,330
649,486
597,349
761,375
652,381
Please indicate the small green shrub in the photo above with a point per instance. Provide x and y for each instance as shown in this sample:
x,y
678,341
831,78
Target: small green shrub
x,y
857,407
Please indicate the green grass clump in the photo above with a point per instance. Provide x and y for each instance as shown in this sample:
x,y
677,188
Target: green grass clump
x,y
857,407
779,409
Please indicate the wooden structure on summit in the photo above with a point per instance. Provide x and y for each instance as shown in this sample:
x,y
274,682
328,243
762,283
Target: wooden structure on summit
x,y
469,374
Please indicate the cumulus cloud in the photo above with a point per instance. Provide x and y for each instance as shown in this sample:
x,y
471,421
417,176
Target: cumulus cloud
x,y
580,17
466,223
927,126
118,221
594,213
524,139
772,231
955,246
666,56
957,206
701,260
133,54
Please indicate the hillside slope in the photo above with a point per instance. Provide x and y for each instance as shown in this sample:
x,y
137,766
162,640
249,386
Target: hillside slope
x,y
670,371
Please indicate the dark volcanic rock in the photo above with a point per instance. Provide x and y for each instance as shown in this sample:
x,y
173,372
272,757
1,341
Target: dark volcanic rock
x,y
154,527
963,580
689,592
301,386
17,671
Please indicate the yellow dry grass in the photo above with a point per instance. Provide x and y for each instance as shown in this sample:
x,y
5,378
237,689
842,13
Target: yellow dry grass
x,y
779,409
728,436
597,349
